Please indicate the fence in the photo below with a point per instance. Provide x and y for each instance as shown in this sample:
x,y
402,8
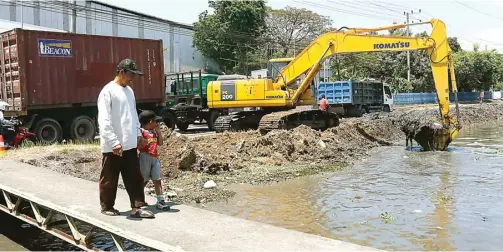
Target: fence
x,y
426,98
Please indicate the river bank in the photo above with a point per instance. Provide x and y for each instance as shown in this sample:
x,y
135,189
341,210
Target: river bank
x,y
252,158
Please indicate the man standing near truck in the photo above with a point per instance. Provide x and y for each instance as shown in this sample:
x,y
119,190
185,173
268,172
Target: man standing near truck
x,y
120,136
323,103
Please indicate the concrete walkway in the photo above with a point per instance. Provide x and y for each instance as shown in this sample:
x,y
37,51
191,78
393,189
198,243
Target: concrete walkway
x,y
185,227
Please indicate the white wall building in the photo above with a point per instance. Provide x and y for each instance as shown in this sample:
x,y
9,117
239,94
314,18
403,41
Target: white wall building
x,y
96,18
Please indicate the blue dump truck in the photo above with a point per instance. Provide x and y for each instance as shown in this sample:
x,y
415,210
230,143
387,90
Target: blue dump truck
x,y
354,98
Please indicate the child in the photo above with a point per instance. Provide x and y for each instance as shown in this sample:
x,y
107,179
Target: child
x,y
150,165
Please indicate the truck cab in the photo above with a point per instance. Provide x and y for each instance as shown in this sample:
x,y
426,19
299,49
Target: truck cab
x,y
388,98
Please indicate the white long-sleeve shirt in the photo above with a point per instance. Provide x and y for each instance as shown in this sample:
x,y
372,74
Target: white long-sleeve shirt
x,y
117,117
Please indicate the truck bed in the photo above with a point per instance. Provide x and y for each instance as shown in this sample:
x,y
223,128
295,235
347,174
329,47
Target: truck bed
x,y
351,92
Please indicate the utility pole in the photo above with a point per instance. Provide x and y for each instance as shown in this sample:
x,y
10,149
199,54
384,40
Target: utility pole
x,y
22,20
407,15
74,16
408,52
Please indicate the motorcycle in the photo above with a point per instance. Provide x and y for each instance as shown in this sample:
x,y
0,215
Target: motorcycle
x,y
14,127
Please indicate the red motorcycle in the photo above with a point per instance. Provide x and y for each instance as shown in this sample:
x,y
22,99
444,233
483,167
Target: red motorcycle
x,y
13,127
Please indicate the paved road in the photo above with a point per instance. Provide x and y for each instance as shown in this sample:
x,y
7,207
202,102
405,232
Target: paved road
x,y
184,227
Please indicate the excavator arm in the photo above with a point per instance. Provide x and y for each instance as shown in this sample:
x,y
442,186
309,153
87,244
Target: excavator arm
x,y
353,41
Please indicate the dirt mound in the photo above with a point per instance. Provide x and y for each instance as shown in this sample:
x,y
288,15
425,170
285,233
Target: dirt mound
x,y
302,145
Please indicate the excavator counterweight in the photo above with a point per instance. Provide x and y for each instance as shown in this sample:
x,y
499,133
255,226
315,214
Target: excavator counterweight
x,y
277,97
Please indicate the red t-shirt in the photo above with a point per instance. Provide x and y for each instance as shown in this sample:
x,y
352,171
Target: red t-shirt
x,y
151,147
323,104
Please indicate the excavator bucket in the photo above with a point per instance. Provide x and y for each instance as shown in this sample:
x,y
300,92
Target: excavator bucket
x,y
435,137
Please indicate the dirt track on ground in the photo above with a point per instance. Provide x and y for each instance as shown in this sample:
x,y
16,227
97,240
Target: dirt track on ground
x,y
252,158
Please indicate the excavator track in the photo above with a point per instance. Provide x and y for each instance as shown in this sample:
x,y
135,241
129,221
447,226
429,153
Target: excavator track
x,y
237,121
223,123
316,119
265,122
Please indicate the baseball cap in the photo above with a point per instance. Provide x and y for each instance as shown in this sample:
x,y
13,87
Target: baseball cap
x,y
129,65
148,115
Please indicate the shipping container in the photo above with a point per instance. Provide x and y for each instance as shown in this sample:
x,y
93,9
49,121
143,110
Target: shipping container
x,y
354,98
58,77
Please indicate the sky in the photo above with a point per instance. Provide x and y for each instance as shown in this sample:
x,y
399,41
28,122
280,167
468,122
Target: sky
x,y
471,22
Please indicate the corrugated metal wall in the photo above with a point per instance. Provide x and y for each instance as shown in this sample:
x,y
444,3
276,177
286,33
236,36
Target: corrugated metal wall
x,y
99,19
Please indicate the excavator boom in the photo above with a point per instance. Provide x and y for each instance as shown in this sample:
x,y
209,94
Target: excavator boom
x,y
331,43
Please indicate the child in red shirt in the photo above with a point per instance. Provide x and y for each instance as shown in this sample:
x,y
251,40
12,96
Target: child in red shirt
x,y
150,165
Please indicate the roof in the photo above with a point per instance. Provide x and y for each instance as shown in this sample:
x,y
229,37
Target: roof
x,y
6,25
186,26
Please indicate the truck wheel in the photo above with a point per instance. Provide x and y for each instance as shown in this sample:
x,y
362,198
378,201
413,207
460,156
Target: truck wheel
x,y
170,120
48,131
182,126
386,108
212,118
365,110
82,128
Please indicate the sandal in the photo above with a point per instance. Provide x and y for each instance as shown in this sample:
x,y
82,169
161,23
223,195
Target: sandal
x,y
111,212
142,213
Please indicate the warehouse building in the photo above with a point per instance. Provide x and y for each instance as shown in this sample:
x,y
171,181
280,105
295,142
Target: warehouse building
x,y
97,18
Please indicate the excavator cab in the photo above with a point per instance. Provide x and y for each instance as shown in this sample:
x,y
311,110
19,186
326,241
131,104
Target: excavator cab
x,y
274,66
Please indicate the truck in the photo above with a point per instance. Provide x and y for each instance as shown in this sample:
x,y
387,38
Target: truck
x,y
187,100
354,98
51,80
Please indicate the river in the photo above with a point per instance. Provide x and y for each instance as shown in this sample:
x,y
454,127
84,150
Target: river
x,y
396,199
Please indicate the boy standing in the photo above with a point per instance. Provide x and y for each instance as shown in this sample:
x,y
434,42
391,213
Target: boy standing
x,y
149,158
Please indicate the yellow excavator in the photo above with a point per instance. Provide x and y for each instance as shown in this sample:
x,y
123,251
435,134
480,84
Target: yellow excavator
x,y
278,101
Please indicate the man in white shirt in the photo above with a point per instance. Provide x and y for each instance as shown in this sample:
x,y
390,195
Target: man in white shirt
x,y
120,136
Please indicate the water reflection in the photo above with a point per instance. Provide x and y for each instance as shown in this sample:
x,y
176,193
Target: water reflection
x,y
397,199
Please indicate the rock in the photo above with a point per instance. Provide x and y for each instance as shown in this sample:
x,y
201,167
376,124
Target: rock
x,y
177,189
240,146
210,184
322,144
187,159
171,194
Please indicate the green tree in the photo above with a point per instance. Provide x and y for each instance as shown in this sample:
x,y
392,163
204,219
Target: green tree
x,y
478,70
231,34
290,26
454,44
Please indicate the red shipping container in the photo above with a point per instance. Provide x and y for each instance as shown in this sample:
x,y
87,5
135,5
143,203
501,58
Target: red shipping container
x,y
55,70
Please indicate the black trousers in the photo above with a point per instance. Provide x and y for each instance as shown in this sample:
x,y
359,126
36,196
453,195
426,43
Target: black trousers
x,y
129,167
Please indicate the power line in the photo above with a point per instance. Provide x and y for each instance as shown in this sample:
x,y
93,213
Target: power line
x,y
107,16
478,10
364,9
128,20
343,10
378,5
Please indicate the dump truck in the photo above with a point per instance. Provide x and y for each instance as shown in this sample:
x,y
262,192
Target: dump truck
x,y
187,100
51,80
353,98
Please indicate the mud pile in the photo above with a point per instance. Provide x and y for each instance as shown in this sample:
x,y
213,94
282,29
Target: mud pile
x,y
302,145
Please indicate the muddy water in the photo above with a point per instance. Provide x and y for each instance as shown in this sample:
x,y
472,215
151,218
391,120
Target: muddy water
x,y
397,199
